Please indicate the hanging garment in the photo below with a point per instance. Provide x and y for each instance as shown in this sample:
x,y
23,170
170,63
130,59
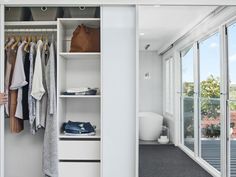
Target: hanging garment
x,y
50,159
31,99
10,42
16,125
25,89
37,85
44,99
8,67
19,79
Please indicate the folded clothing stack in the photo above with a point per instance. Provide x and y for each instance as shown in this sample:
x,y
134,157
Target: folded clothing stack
x,y
78,128
81,91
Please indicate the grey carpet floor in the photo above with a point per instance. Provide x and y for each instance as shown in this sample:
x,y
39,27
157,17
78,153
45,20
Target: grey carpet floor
x,y
167,161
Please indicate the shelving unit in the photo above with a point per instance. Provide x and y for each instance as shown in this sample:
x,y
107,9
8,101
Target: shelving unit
x,y
79,56
74,22
67,27
31,24
80,96
74,70
97,136
78,70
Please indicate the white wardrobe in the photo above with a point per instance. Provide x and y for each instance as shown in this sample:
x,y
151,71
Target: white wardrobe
x,y
113,151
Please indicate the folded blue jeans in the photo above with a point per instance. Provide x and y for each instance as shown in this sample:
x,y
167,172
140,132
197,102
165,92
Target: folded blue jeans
x,y
78,127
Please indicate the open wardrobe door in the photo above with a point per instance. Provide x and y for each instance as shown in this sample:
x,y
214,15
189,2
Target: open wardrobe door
x,y
1,90
118,104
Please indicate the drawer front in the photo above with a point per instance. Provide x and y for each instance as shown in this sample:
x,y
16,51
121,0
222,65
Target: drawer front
x,y
79,150
79,169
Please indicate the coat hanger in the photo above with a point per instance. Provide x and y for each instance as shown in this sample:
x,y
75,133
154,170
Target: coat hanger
x,y
26,48
10,42
38,37
52,37
7,39
16,43
46,41
34,38
41,36
24,38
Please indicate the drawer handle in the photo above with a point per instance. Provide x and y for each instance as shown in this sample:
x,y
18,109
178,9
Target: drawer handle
x,y
44,9
82,8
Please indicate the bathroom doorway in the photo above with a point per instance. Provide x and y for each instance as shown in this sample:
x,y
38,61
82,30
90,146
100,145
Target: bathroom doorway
x,y
176,46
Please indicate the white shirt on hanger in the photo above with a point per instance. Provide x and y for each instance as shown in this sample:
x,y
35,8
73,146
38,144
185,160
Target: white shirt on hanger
x,y
18,79
37,85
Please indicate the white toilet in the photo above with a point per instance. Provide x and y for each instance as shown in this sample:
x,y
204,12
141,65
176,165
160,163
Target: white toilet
x,y
150,126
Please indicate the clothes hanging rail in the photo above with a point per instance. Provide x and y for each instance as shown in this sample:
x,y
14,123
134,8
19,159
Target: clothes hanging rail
x,y
30,30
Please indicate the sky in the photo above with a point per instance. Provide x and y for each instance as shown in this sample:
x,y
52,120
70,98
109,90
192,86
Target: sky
x,y
210,57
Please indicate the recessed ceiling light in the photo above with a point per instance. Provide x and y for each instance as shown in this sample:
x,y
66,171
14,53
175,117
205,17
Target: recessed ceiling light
x,y
141,34
157,5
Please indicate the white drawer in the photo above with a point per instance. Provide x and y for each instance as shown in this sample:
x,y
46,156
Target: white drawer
x,y
79,150
79,169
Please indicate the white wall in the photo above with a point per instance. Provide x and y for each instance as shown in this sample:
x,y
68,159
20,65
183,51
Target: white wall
x,y
23,153
151,93
150,90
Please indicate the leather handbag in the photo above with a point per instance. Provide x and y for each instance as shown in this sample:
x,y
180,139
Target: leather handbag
x,y
85,39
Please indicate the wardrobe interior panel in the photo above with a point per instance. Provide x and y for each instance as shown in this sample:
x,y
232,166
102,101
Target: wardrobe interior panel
x,y
61,71
77,70
2,65
61,113
23,153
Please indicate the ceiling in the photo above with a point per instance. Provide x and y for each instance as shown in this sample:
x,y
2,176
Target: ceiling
x,y
162,25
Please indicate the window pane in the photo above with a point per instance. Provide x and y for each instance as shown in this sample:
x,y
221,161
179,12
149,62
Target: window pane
x,y
232,95
188,98
210,99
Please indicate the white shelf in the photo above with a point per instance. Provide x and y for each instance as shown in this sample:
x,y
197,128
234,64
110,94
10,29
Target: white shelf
x,y
81,55
98,135
71,22
80,96
32,24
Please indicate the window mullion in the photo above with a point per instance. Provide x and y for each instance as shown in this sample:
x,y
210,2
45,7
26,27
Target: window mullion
x,y
197,127
225,143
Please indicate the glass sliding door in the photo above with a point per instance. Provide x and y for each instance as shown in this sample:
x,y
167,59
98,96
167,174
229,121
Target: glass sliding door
x,y
187,97
209,100
232,95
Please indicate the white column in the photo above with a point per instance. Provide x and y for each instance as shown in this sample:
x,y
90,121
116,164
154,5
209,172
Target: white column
x,y
118,91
